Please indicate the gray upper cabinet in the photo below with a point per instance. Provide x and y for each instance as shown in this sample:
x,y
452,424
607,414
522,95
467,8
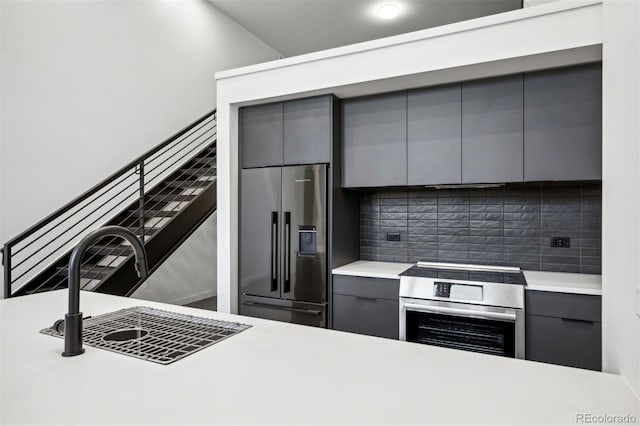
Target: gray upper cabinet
x,y
262,135
563,124
492,130
434,136
307,131
375,141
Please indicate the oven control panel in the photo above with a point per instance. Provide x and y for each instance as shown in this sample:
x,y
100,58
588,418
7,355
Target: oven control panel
x,y
446,290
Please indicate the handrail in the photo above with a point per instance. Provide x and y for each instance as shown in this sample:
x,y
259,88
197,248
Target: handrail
x,y
18,238
149,171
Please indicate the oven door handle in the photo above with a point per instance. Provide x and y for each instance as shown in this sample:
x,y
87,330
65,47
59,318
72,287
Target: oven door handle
x,y
502,316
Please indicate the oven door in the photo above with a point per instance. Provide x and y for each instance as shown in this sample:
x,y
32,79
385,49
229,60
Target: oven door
x,y
475,328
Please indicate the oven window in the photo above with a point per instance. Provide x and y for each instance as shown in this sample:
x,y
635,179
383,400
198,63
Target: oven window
x,y
469,334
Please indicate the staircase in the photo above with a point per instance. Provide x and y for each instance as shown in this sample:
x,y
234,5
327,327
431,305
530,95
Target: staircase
x,y
162,196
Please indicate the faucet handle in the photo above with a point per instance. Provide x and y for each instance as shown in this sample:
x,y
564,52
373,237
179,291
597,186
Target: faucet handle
x,y
58,326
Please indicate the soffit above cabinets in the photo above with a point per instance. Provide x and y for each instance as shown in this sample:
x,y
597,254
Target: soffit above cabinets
x,y
304,26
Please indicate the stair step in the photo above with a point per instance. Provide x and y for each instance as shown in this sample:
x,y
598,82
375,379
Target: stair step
x,y
148,232
198,172
205,160
109,249
167,198
187,184
152,213
88,271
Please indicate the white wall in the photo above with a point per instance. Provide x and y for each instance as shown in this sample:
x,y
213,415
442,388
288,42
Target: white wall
x,y
621,188
189,274
89,85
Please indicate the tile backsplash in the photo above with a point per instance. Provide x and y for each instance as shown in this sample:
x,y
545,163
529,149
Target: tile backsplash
x,y
511,225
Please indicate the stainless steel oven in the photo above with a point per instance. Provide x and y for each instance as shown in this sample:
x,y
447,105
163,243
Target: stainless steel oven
x,y
468,307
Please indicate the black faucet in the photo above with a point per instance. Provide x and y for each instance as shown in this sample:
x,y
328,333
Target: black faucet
x,y
73,319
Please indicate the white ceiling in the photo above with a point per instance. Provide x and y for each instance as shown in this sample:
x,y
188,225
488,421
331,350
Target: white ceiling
x,y
294,27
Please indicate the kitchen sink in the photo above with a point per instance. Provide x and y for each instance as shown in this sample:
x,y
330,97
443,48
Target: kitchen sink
x,y
153,334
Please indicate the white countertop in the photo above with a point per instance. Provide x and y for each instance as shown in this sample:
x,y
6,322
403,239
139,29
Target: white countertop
x,y
366,268
562,282
277,373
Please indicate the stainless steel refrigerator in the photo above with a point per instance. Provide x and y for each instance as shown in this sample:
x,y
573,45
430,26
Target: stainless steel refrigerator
x,y
283,244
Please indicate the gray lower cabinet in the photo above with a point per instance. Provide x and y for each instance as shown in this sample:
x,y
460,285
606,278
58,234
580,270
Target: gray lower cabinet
x,y
375,141
563,124
261,133
366,305
308,131
563,329
492,142
434,136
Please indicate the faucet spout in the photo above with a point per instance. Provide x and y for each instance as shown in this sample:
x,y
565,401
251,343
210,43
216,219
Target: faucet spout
x,y
73,319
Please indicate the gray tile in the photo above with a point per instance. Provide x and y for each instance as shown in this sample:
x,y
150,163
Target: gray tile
x,y
422,216
486,224
486,239
422,238
393,216
419,245
522,208
453,208
511,225
453,231
394,258
486,216
524,250
574,250
493,232
489,208
558,267
522,232
450,247
486,248
393,223
453,216
486,258
453,224
565,260
459,239
422,208
521,224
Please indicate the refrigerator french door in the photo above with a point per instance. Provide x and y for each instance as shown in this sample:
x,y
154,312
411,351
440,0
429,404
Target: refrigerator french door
x,y
283,237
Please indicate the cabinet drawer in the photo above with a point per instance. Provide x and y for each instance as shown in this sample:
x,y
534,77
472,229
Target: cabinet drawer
x,y
379,288
573,343
563,305
371,316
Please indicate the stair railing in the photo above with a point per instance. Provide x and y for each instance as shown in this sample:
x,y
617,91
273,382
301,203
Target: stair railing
x,y
33,251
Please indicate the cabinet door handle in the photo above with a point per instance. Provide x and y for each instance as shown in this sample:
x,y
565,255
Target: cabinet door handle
x,y
368,299
578,320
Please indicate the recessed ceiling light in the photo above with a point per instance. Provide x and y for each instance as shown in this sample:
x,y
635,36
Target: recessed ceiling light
x,y
388,11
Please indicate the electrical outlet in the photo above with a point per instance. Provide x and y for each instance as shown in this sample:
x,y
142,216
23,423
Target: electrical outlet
x,y
393,236
562,242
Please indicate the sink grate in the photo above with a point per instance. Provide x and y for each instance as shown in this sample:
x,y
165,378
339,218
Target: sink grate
x,y
170,336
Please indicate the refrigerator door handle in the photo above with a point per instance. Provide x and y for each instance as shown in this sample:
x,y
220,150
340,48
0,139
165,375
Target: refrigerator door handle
x,y
274,251
286,308
287,252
